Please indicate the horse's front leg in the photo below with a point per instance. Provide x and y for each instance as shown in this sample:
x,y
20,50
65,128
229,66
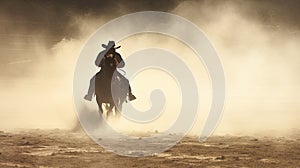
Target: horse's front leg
x,y
100,107
109,110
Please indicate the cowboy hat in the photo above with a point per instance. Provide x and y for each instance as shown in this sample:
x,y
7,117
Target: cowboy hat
x,y
110,45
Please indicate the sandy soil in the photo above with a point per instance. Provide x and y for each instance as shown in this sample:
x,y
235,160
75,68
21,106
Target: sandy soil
x,y
57,148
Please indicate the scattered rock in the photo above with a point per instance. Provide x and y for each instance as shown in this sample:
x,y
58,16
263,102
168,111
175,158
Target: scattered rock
x,y
26,143
156,131
236,158
62,146
3,135
255,139
168,150
220,158
268,160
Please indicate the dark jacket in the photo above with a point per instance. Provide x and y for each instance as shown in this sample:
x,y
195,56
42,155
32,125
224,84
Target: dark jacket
x,y
116,55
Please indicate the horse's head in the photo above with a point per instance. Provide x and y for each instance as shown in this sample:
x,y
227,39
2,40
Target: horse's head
x,y
110,61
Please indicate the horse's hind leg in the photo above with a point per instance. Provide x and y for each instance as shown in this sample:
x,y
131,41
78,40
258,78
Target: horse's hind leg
x,y
118,106
118,109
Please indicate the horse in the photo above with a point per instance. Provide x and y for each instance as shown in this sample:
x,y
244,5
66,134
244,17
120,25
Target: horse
x,y
111,88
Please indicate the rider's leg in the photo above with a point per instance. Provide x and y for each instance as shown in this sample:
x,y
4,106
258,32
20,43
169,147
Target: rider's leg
x,y
130,95
91,90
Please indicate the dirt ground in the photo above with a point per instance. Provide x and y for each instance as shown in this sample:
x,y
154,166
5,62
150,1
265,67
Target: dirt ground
x,y
57,148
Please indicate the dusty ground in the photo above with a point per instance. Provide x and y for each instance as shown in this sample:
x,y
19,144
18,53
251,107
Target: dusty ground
x,y
56,148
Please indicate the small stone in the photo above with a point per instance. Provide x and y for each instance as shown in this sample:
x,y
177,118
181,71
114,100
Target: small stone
x,y
26,143
236,158
220,158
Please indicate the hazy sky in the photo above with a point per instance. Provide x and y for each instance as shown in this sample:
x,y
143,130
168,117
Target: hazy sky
x,y
258,42
24,23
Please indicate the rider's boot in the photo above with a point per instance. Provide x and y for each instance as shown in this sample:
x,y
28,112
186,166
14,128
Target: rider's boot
x,y
131,96
88,97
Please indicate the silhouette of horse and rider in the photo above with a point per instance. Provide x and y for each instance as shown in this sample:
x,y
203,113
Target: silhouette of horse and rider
x,y
109,85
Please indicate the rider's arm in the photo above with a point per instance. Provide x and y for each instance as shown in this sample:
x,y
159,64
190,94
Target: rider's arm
x,y
120,61
98,60
102,63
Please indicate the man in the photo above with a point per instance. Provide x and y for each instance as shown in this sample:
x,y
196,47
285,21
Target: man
x,y
110,51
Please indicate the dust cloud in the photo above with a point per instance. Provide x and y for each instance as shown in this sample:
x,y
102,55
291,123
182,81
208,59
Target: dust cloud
x,y
257,41
40,43
36,89
259,50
